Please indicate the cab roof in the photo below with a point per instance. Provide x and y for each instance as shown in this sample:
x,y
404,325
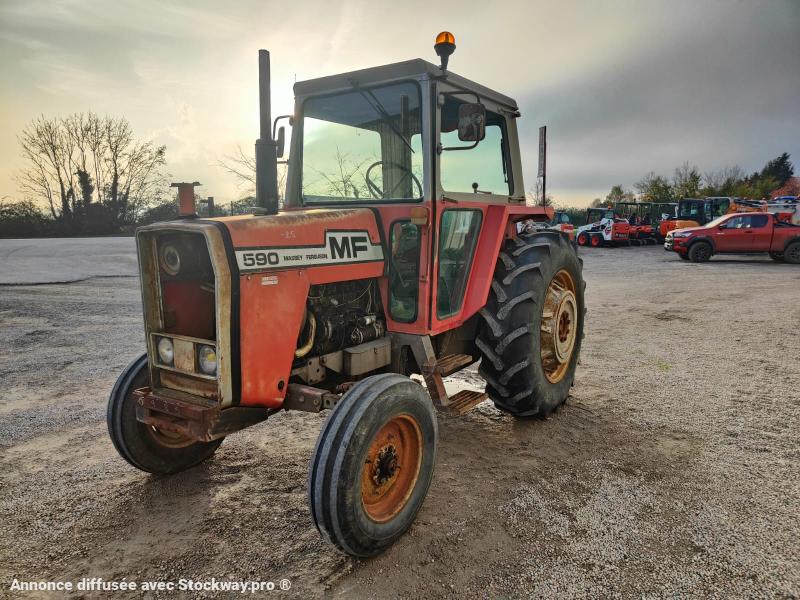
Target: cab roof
x,y
409,69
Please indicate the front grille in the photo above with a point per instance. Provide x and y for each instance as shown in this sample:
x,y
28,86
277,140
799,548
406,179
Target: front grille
x,y
179,266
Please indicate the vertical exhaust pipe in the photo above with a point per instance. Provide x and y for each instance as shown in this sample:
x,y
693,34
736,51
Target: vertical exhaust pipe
x,y
266,147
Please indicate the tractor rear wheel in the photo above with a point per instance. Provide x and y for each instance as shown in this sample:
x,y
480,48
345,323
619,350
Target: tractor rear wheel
x,y
533,325
373,464
143,446
792,253
700,252
596,240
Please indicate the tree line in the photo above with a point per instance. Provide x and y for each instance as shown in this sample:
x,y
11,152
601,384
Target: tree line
x,y
688,182
86,174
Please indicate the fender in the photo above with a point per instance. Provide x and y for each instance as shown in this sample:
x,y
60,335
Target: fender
x,y
498,224
791,240
703,238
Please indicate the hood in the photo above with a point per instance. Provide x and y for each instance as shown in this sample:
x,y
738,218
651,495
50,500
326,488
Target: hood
x,y
687,230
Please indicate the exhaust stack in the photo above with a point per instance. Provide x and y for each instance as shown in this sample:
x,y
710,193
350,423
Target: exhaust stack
x,y
266,147
186,205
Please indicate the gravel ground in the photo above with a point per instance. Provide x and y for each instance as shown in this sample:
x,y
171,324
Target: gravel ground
x,y
671,471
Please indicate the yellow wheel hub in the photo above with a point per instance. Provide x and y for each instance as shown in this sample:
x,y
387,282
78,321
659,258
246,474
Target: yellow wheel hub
x,y
559,326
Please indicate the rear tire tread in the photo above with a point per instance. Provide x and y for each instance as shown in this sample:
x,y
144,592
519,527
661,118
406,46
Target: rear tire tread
x,y
508,339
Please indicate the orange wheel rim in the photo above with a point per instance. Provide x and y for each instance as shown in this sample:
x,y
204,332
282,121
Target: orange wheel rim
x,y
559,326
169,439
391,468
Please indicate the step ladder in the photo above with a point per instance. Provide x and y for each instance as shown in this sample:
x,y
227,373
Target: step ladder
x,y
434,370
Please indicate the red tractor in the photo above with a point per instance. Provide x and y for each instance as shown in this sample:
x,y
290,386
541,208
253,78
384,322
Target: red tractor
x,y
395,252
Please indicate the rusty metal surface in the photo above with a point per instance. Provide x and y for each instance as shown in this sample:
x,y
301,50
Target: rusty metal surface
x,y
198,419
433,380
447,365
205,388
462,402
184,355
307,398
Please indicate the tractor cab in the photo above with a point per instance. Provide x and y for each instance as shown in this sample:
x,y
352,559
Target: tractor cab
x,y
432,154
404,132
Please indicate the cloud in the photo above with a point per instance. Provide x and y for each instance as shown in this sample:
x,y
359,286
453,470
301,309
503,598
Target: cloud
x,y
624,87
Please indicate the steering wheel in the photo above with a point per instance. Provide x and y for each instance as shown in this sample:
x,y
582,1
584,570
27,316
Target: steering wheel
x,y
378,192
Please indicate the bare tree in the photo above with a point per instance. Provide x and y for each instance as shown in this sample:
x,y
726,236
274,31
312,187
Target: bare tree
x,y
349,179
686,181
86,166
534,196
722,182
243,168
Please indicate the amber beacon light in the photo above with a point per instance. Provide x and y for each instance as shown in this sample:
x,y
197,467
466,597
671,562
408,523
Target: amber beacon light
x,y
445,45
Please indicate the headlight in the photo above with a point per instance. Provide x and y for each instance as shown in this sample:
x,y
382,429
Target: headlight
x,y
207,359
165,351
169,259
682,234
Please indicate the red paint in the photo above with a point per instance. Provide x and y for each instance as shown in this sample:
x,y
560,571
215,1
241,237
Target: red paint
x,y
271,313
188,309
773,236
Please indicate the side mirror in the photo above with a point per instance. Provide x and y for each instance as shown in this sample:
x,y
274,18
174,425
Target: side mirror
x,y
471,122
280,142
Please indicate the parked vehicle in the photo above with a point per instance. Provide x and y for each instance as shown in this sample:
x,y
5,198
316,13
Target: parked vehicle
x,y
559,222
603,228
693,212
334,299
742,233
639,217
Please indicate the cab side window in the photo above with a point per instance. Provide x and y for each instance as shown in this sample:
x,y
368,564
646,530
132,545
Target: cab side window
x,y
458,238
737,223
758,220
404,247
486,164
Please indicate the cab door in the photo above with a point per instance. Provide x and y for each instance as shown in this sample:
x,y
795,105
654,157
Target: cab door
x,y
475,182
734,235
761,238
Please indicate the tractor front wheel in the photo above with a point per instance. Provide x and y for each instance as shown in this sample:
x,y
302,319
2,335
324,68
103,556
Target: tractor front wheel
x,y
373,464
583,239
533,325
143,446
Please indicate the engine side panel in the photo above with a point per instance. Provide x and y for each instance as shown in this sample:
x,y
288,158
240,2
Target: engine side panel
x,y
279,258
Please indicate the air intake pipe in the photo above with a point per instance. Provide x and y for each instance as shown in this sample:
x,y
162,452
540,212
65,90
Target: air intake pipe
x,y
266,147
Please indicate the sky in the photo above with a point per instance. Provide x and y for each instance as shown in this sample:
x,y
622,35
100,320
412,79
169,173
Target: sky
x,y
625,87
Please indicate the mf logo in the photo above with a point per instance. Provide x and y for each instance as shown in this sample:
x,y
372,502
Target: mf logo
x,y
348,245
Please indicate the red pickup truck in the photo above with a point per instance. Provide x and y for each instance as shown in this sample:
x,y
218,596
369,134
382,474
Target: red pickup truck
x,y
739,233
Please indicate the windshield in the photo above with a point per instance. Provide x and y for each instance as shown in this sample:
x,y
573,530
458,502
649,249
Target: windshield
x,y
691,210
363,145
